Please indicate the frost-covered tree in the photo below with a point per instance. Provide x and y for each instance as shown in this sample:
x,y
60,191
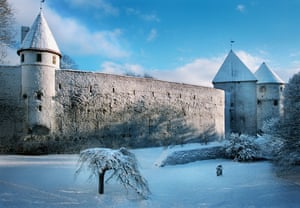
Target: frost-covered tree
x,y
122,163
287,129
66,62
7,30
241,148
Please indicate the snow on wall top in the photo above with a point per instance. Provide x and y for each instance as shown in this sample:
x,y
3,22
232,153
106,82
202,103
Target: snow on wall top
x,y
40,37
266,75
233,70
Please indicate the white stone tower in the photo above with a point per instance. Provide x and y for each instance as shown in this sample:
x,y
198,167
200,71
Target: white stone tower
x,y
40,57
239,85
269,95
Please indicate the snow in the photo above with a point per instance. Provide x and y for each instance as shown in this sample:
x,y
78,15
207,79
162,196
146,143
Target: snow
x,y
40,36
48,181
266,75
233,70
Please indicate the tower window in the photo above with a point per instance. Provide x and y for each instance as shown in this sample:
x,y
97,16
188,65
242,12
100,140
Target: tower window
x,y
53,59
22,58
39,57
39,95
40,108
262,89
275,102
59,86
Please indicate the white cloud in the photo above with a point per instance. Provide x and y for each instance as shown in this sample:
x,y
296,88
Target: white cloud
x,y
150,18
104,5
251,61
152,35
71,36
241,8
121,69
200,71
286,73
147,17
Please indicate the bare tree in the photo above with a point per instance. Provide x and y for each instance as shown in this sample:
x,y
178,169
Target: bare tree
x,y
67,62
122,163
7,30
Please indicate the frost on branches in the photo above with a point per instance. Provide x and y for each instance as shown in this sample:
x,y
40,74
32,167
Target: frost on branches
x,y
288,128
122,163
241,148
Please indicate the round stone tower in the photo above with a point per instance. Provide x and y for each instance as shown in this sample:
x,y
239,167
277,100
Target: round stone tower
x,y
239,85
269,95
40,57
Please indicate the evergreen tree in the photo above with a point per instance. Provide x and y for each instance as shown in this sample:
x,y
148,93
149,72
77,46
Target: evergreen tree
x,y
287,128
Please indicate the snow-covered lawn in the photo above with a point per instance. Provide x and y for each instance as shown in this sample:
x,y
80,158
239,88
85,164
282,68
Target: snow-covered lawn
x,y
48,181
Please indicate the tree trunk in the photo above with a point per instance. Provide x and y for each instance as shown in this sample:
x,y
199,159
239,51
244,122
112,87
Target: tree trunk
x,y
101,182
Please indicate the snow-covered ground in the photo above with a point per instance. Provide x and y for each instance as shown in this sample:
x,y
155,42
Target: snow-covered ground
x,y
48,181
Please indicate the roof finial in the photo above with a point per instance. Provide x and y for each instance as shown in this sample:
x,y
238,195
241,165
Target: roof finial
x,y
231,43
41,4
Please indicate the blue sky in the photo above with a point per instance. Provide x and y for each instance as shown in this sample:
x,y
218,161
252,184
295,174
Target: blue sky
x,y
175,40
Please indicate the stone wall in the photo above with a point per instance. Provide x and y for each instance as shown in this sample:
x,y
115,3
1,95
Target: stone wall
x,y
11,110
95,109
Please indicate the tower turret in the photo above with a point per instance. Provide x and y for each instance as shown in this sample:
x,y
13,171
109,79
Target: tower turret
x,y
239,85
40,57
269,95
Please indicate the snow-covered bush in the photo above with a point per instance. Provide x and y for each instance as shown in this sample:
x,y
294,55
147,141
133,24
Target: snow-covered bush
x,y
122,163
241,148
269,142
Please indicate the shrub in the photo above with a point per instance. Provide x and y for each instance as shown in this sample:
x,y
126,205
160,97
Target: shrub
x,y
241,148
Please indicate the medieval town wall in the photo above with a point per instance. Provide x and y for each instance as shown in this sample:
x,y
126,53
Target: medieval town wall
x,y
11,109
103,110
111,110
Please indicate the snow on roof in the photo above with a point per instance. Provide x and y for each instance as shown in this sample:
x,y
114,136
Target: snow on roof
x,y
266,75
40,37
233,70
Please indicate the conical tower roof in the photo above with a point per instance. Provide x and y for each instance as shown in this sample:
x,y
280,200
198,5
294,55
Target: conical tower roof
x,y
266,75
233,70
40,37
